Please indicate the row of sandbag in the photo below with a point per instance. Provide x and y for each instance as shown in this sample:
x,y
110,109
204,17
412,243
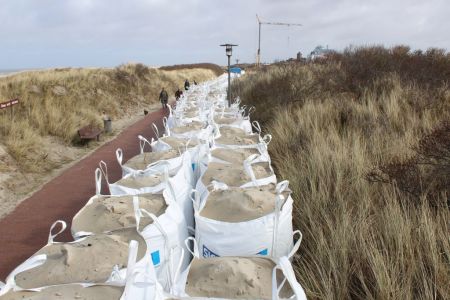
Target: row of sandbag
x,y
157,218
226,141
243,216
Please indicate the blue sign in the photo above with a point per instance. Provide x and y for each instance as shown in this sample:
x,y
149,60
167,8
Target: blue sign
x,y
235,70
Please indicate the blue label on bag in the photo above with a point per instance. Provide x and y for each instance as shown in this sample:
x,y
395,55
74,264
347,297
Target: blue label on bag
x,y
208,253
193,167
155,258
263,252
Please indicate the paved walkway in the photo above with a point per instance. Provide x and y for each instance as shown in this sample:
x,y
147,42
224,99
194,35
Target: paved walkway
x,y
25,230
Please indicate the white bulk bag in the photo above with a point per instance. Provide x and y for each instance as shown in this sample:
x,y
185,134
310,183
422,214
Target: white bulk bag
x,y
233,111
241,124
203,190
164,238
281,264
185,129
98,186
207,156
201,134
261,146
174,163
117,277
160,145
158,172
200,115
182,183
139,281
170,120
142,282
196,152
238,122
270,235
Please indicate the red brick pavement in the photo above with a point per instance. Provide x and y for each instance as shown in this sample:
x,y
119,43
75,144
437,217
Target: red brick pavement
x,y
25,230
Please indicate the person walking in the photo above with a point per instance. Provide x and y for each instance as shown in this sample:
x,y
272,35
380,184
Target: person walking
x,y
163,97
186,85
178,94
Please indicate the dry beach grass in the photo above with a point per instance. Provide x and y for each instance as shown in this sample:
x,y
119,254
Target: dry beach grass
x,y
42,134
58,102
354,134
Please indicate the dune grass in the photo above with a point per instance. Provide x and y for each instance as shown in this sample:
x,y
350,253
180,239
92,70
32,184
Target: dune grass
x,y
218,70
56,103
352,134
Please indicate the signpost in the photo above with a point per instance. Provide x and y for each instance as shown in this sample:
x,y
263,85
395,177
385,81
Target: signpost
x,y
229,52
10,104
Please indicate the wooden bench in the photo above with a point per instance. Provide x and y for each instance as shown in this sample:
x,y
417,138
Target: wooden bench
x,y
89,133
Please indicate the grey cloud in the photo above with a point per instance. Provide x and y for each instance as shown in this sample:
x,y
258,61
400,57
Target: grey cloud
x,y
49,33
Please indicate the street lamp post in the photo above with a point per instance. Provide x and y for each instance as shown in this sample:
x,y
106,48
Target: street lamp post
x,y
229,52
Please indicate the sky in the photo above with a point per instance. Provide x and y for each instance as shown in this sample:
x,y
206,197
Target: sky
x,y
106,33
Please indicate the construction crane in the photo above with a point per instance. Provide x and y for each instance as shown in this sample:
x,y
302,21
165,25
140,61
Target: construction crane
x,y
258,54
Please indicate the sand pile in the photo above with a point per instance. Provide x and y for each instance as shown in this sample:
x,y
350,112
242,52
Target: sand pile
x,y
141,161
236,136
234,174
89,260
138,182
224,120
226,110
235,156
111,213
240,205
231,277
175,143
191,114
231,131
69,292
193,126
192,109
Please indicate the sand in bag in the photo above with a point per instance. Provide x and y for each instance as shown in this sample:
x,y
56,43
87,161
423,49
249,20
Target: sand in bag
x,y
234,156
138,182
232,278
234,174
225,110
240,204
242,140
191,114
224,120
191,109
110,213
141,161
69,292
175,143
231,131
88,261
193,126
